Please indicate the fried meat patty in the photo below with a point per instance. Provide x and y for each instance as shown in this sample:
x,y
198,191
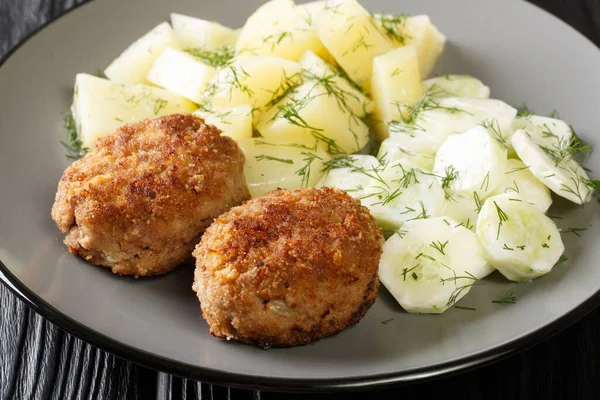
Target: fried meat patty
x,y
139,201
288,268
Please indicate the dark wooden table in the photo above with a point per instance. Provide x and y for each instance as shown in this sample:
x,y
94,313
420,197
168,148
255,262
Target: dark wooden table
x,y
39,360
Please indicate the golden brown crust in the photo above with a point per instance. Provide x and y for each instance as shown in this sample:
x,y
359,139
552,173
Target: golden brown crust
x,y
138,201
288,268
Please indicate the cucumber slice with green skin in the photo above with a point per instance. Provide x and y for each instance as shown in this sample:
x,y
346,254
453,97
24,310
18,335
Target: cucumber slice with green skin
x,y
518,179
400,192
520,241
455,86
392,150
471,162
554,166
350,173
430,264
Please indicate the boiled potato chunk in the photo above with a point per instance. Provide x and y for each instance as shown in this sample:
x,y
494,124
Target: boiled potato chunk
x,y
351,35
313,65
235,121
101,106
181,73
253,80
317,109
133,64
277,29
198,33
396,85
427,39
311,12
272,164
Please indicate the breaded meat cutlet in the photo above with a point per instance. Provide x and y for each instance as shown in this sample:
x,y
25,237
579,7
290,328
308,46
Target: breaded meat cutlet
x,y
288,268
139,201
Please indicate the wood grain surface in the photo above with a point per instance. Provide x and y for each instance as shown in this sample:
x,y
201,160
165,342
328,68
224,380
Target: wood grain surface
x,y
39,360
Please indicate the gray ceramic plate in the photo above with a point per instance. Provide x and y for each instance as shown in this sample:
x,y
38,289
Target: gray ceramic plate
x,y
522,53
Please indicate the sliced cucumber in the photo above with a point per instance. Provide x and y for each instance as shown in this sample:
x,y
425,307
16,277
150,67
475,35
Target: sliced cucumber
x,y
520,241
350,173
471,162
555,131
554,166
518,179
430,264
463,208
432,121
399,192
455,86
392,150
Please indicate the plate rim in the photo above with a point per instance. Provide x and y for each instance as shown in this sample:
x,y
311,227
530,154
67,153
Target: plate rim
x,y
214,376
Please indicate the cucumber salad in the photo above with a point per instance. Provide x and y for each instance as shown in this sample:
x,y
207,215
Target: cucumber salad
x,y
328,94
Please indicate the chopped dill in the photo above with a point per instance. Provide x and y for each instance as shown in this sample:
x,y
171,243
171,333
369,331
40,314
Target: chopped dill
x,y
493,126
439,246
564,148
216,58
507,298
562,259
73,144
304,172
524,111
575,231
502,216
263,157
159,104
393,26
405,271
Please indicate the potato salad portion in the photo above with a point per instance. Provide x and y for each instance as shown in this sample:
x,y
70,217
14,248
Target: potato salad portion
x,y
331,94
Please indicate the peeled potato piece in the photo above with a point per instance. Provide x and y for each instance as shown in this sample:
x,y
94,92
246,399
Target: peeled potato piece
x,y
253,80
351,35
318,108
234,121
133,64
396,85
277,29
315,66
427,39
201,34
181,73
287,164
101,106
